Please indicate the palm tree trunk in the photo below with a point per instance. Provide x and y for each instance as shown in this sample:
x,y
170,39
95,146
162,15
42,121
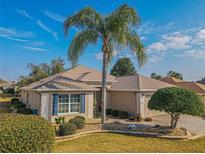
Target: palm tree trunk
x,y
104,84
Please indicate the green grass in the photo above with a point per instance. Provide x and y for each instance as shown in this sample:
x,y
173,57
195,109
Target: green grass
x,y
109,142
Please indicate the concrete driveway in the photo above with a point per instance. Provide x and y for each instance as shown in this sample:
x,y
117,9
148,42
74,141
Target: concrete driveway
x,y
192,124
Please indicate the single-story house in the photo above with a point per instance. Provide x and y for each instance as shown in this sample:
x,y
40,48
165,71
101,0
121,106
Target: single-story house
x,y
76,91
194,86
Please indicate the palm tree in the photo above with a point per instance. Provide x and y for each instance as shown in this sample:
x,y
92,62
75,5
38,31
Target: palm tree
x,y
114,29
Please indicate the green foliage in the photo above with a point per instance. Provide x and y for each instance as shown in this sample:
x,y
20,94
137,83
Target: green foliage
x,y
17,105
67,129
175,74
25,133
176,101
38,72
115,113
109,111
123,114
80,117
202,81
13,100
156,76
24,110
79,122
60,120
111,29
9,91
123,67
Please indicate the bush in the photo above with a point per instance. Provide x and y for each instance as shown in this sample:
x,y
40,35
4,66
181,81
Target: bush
x,y
176,101
25,133
109,111
24,110
148,119
123,114
67,129
80,117
9,91
115,113
13,100
60,120
79,122
17,105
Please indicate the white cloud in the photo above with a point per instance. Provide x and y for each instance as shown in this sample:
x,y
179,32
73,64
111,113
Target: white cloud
x,y
44,27
158,46
54,16
198,54
201,35
177,41
24,13
11,32
34,48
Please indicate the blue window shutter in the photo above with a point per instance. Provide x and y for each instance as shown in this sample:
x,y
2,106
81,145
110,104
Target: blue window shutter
x,y
55,104
82,103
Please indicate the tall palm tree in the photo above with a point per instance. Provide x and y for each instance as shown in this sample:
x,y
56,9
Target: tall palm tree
x,y
114,29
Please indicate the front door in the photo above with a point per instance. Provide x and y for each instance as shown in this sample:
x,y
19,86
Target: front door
x,y
44,105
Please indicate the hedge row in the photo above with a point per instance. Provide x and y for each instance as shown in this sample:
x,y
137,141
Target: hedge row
x,y
117,113
25,133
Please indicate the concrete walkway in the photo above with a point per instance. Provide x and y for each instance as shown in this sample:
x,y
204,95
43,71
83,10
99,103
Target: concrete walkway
x,y
192,124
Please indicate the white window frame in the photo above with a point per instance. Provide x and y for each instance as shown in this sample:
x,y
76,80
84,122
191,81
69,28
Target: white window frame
x,y
69,104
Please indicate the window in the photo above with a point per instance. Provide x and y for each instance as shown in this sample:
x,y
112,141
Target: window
x,y
69,103
63,103
75,103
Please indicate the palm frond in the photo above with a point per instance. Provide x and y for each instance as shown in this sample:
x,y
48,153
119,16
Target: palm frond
x,y
134,43
119,21
78,44
86,18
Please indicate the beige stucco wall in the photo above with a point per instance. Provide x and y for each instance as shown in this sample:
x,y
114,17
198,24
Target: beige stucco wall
x,y
122,101
31,99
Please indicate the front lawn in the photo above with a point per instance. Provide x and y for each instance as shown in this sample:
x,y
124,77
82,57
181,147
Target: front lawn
x,y
109,142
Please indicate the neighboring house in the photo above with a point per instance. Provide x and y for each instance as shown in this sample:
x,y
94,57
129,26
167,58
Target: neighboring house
x,y
74,92
194,86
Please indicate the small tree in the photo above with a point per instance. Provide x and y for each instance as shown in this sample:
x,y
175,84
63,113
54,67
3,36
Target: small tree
x,y
176,101
175,74
156,76
123,67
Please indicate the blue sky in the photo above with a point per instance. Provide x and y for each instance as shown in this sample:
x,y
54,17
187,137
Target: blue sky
x,y
173,31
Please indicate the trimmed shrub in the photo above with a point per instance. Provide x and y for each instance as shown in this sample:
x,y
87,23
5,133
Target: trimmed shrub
x,y
123,114
24,110
80,117
25,133
17,105
109,111
67,129
176,101
115,113
148,119
13,100
60,120
79,122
